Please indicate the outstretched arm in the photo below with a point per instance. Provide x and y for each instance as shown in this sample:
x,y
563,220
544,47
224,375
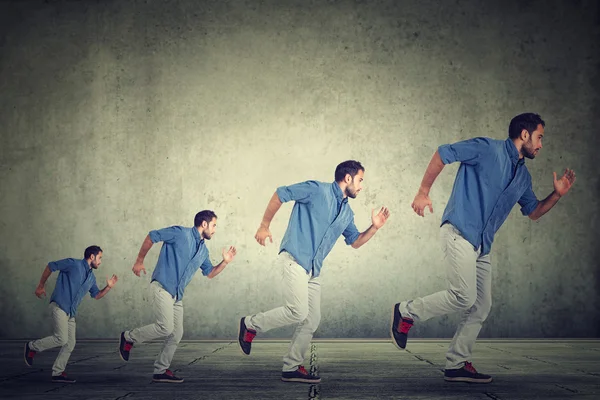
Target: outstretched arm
x,y
228,257
40,291
138,267
422,199
377,221
110,282
561,187
263,231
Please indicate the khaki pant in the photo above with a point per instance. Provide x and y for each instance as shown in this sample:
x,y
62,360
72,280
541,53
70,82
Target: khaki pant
x,y
168,315
468,290
63,328
302,299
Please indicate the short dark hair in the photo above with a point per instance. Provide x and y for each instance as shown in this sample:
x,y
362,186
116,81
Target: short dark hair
x,y
204,215
528,121
92,250
347,167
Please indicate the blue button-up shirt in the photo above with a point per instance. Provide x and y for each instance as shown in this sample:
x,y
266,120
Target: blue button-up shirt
x,y
320,215
182,253
491,179
74,281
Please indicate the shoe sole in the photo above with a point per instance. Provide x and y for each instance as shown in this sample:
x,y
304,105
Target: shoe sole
x,y
300,380
25,357
467,380
166,381
392,329
239,344
120,355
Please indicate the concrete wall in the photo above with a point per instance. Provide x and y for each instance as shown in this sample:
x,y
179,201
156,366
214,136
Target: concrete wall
x,y
118,118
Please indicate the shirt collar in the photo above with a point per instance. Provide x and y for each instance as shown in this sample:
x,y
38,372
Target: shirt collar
x,y
513,153
338,193
197,236
85,264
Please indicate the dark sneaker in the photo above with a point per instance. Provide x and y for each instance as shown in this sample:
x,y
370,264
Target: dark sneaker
x,y
29,354
400,327
245,337
124,348
167,377
466,374
300,375
62,378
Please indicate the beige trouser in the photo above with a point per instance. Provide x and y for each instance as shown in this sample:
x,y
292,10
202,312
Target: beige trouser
x,y
468,290
63,328
168,315
302,298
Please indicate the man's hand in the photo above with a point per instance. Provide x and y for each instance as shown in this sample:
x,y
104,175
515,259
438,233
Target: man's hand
x,y
420,202
112,281
562,185
40,291
138,267
229,255
262,234
379,220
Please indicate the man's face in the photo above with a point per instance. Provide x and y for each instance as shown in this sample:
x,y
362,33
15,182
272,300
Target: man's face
x,y
96,260
208,230
355,185
532,146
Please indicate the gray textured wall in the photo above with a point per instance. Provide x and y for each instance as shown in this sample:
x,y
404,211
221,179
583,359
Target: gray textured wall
x,y
117,118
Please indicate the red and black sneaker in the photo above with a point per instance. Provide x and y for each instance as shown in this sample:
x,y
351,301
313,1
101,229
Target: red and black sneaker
x,y
466,374
29,354
300,375
166,377
400,327
124,347
245,337
62,378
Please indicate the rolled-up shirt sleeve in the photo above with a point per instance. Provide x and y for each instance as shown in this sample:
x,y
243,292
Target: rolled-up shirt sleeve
x,y
206,266
467,151
94,290
300,192
61,265
528,201
167,235
351,233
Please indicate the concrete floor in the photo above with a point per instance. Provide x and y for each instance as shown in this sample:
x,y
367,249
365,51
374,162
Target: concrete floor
x,y
350,369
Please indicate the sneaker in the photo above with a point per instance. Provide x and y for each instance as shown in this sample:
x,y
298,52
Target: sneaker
x,y
466,374
62,378
167,377
124,348
245,337
400,327
300,375
29,354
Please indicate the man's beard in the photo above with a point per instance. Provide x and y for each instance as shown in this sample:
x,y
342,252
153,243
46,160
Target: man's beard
x,y
528,150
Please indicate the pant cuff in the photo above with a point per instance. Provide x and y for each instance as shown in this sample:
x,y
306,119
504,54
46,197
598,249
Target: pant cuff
x,y
455,365
248,323
128,337
404,310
